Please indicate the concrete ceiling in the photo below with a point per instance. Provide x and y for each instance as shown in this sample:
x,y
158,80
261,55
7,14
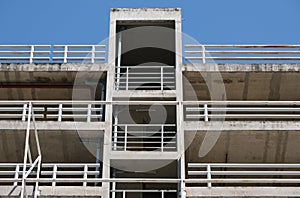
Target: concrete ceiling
x,y
248,147
56,146
246,85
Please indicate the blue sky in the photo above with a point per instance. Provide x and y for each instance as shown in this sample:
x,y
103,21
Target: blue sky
x,y
209,21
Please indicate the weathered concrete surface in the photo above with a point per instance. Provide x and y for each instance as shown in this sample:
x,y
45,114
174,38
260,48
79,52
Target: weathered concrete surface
x,y
57,191
57,146
242,85
53,67
52,125
242,67
242,125
244,146
196,192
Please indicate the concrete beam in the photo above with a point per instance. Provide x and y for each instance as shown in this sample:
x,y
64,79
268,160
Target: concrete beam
x,y
145,94
242,192
242,67
53,125
53,67
57,191
143,155
242,125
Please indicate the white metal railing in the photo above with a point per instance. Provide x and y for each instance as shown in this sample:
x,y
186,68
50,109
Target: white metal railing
x,y
273,52
52,53
25,53
206,174
241,110
137,192
79,53
85,111
97,53
145,77
50,174
36,164
140,137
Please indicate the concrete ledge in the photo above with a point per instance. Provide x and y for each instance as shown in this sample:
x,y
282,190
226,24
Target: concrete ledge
x,y
57,191
242,67
53,125
53,67
242,191
242,125
145,93
143,155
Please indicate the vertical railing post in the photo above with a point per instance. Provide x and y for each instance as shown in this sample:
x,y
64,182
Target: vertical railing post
x,y
24,112
16,174
124,194
162,138
205,113
89,112
119,61
162,78
54,175
85,174
127,75
31,54
125,139
66,54
162,194
93,54
208,175
60,110
203,54
26,151
115,132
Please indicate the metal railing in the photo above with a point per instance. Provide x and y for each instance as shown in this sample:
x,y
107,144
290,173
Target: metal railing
x,y
136,193
52,53
25,53
145,77
97,53
242,174
79,53
50,174
83,111
274,52
241,110
141,137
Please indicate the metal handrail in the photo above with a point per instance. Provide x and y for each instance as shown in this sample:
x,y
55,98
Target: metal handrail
x,y
52,53
77,172
88,111
144,77
140,137
208,173
241,110
208,52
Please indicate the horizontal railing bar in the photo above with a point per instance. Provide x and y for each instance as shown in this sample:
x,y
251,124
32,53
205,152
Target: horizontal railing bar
x,y
247,109
24,52
79,52
146,66
244,46
262,173
139,191
236,165
79,46
49,165
24,46
149,125
78,58
242,52
24,58
243,58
